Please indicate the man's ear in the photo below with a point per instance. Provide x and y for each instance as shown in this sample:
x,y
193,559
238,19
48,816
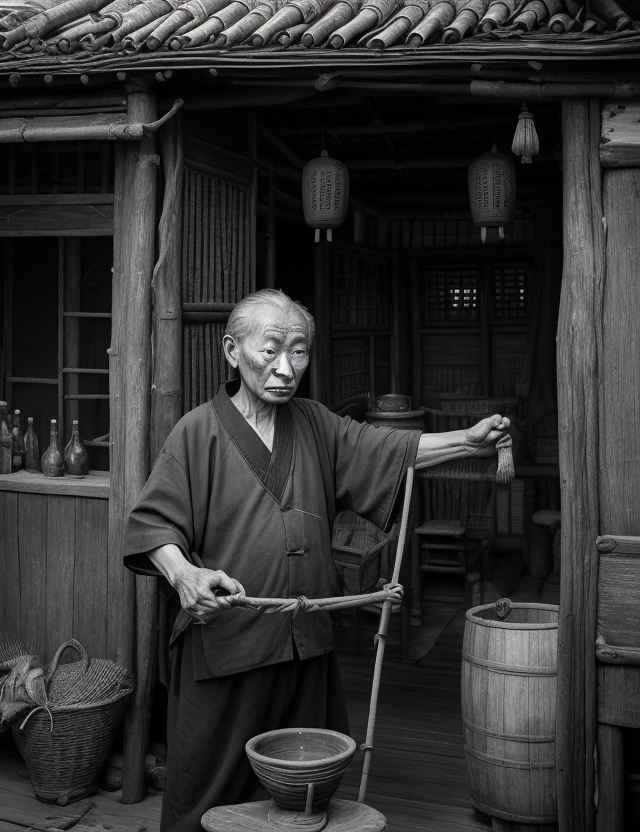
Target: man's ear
x,y
230,347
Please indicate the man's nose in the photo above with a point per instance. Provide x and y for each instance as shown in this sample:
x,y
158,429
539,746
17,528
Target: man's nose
x,y
283,367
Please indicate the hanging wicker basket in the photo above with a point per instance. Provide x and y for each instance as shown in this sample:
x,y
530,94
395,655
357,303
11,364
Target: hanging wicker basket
x,y
66,743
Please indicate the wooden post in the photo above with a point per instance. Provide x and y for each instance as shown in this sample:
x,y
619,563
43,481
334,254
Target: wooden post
x,y
136,175
620,368
578,341
166,388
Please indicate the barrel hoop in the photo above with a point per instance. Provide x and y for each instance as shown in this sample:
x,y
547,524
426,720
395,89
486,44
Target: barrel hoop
x,y
501,735
509,669
496,813
501,761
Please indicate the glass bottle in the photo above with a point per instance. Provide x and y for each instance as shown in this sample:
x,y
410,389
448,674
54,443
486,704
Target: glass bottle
x,y
75,453
52,459
17,443
5,441
31,447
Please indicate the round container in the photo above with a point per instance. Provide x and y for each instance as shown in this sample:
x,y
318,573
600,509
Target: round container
x,y
509,681
409,420
393,403
286,761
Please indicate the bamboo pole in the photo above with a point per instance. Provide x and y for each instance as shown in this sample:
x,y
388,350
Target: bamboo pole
x,y
381,640
137,252
578,381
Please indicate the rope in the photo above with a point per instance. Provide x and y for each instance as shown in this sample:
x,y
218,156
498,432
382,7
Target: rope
x,y
506,472
391,593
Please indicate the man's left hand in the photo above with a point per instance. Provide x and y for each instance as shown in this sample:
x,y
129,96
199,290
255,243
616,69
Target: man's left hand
x,y
480,440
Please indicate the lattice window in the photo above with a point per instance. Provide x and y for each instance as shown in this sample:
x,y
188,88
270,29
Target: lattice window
x,y
510,291
358,294
352,366
451,294
84,167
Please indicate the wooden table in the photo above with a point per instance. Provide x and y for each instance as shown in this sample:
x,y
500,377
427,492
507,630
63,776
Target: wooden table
x,y
342,816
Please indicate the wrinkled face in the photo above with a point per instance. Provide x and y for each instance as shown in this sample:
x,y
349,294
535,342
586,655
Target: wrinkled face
x,y
274,354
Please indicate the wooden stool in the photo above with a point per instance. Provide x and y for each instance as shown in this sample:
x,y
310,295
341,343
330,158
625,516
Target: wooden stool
x,y
342,816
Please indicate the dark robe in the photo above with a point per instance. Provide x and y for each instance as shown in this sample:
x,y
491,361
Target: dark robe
x,y
264,518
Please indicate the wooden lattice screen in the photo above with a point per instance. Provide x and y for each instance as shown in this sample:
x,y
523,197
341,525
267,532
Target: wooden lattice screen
x,y
360,322
217,258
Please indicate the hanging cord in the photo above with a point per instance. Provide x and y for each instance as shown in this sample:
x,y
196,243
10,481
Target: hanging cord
x,y
381,640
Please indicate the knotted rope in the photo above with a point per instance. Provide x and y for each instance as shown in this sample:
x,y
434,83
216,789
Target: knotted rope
x,y
300,603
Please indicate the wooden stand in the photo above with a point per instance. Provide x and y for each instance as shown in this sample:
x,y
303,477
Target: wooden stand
x,y
342,816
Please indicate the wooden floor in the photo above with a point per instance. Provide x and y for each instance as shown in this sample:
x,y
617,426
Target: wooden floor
x,y
417,778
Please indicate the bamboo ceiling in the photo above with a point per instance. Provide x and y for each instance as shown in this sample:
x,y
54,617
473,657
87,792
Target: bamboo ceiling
x,y
49,35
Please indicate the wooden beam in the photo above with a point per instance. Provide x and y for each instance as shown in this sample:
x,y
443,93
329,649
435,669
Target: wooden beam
x,y
136,267
578,381
620,142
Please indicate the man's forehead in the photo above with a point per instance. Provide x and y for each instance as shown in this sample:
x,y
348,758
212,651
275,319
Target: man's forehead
x,y
269,320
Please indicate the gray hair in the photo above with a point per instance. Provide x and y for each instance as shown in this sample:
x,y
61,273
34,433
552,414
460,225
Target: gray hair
x,y
241,320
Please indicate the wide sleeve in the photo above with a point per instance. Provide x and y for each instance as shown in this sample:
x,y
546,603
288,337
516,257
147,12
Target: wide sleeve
x,y
371,463
162,514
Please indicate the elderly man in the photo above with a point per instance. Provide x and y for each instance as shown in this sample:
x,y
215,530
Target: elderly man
x,y
243,497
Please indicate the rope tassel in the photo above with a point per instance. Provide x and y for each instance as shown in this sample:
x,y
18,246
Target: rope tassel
x,y
525,142
506,472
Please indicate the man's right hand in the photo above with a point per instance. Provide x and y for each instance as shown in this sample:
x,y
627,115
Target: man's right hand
x,y
198,590
196,586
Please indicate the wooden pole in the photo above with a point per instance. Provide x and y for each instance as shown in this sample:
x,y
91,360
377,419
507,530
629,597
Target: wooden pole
x,y
620,369
577,361
166,387
381,639
136,265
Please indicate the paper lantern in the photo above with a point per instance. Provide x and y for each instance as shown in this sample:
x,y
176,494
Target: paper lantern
x,y
492,191
525,142
325,193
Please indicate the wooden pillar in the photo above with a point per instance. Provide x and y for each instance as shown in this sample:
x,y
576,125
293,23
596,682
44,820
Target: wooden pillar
x,y
166,388
577,360
620,367
130,388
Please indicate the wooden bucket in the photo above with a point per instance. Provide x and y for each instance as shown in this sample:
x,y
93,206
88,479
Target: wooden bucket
x,y
509,680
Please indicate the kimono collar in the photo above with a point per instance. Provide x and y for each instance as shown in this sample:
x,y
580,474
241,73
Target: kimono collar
x,y
271,467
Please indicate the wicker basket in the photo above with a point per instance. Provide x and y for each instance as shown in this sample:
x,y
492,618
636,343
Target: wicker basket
x,y
66,745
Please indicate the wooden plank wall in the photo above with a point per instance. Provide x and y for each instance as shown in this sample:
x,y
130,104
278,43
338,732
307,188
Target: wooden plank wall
x,y
54,557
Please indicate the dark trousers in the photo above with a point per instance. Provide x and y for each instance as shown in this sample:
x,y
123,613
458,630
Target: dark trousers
x,y
210,721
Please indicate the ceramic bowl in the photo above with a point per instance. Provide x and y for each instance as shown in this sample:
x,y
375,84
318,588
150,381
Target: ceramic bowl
x,y
288,759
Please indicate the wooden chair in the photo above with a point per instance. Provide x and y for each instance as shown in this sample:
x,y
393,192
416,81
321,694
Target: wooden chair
x,y
446,545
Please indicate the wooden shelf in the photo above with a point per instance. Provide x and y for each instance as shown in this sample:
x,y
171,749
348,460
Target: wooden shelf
x,y
95,484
